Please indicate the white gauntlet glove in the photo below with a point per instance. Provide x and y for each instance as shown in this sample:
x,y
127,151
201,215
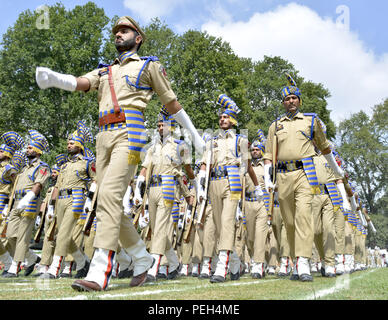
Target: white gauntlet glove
x,y
4,213
50,213
259,193
88,205
126,204
23,203
37,222
345,201
239,214
353,203
333,164
46,78
267,178
184,120
138,199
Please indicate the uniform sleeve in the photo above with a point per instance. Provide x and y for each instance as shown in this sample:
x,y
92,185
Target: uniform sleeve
x,y
204,155
42,175
147,159
268,145
184,153
244,149
92,169
93,78
160,83
320,136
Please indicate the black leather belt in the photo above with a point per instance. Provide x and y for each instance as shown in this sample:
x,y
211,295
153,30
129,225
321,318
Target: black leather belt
x,y
18,196
65,192
298,165
218,173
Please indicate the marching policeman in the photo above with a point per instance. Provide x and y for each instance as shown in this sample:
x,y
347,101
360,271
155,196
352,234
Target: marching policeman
x,y
125,88
296,176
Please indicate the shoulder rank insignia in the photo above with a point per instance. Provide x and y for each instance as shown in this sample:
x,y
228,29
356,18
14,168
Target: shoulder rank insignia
x,y
279,127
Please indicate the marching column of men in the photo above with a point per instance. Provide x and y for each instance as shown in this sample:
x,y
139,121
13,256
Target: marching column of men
x,y
259,208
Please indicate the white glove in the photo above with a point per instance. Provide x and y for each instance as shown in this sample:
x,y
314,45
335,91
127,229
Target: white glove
x,y
267,178
50,213
184,120
259,193
127,207
4,213
23,203
333,164
88,205
143,221
239,214
200,189
37,222
46,78
180,224
138,199
188,216
353,203
345,200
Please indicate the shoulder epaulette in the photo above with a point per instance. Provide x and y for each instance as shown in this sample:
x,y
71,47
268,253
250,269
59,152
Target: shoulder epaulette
x,y
150,58
103,65
311,114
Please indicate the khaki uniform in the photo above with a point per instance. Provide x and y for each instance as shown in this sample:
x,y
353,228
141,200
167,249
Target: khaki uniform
x,y
323,213
21,221
295,192
256,216
113,171
280,233
5,190
167,158
75,175
226,152
48,245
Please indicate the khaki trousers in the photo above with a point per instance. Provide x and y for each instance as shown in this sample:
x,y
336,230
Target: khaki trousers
x,y
48,246
113,175
19,231
295,199
88,244
358,254
324,233
224,213
271,250
241,239
280,233
349,239
339,227
257,229
161,222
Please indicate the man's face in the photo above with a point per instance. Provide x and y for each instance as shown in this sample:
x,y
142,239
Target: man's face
x,y
256,153
162,129
54,175
224,122
126,40
72,149
2,155
291,103
31,153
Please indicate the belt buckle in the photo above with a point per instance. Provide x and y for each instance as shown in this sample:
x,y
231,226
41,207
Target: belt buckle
x,y
291,166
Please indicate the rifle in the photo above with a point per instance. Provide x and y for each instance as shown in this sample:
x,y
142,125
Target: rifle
x,y
274,168
140,209
51,229
91,214
205,183
190,210
4,224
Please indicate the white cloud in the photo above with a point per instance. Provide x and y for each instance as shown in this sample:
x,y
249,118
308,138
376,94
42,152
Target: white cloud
x,y
145,10
319,48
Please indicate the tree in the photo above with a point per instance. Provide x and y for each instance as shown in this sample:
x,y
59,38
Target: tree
x,y
70,45
363,145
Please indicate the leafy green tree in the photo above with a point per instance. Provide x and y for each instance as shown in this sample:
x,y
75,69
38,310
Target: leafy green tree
x,y
363,145
71,45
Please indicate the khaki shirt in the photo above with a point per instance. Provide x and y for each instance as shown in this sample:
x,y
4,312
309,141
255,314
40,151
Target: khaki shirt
x,y
258,167
26,180
293,141
325,173
153,75
76,173
225,150
167,157
5,188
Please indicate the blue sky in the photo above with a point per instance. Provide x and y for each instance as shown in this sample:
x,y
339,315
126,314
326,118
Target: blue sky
x,y
352,62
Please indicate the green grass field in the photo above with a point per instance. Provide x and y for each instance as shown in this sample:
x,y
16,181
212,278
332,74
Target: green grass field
x,y
370,284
